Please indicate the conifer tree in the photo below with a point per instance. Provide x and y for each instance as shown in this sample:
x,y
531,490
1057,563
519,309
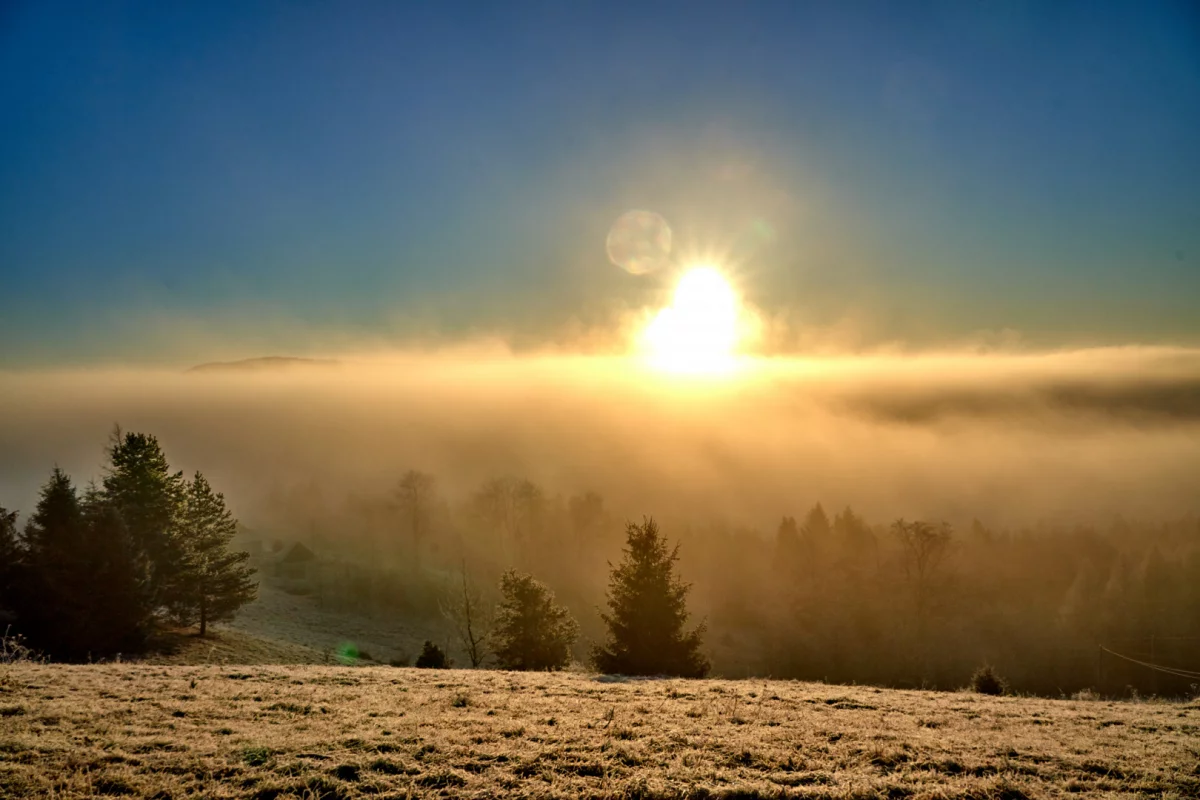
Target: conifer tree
x,y
141,487
120,615
214,581
49,602
78,592
648,611
532,631
11,554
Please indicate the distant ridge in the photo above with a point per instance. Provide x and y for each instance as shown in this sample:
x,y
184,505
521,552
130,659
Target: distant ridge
x,y
263,364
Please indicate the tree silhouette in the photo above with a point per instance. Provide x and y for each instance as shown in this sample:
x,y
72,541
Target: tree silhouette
x,y
52,596
648,611
120,617
532,631
924,548
214,581
513,509
77,591
467,611
148,496
11,554
415,496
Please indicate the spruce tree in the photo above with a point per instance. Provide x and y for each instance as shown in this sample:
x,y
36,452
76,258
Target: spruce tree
x,y
79,595
50,601
141,487
120,616
11,556
648,611
214,581
532,631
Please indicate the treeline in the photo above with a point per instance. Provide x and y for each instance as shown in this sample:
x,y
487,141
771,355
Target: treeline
x,y
822,596
92,573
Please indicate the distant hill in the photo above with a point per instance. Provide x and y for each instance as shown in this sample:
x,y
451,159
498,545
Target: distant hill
x,y
264,364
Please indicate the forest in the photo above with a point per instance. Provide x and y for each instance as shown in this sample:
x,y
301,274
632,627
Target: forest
x,y
1056,608
1053,609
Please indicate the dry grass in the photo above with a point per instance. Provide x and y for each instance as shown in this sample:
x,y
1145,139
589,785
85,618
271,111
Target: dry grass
x,y
331,732
228,646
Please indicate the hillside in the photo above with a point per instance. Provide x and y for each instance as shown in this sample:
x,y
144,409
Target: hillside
x,y
335,732
298,621
229,646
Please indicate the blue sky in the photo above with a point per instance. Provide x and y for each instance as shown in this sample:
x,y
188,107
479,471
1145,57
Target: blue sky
x,y
294,175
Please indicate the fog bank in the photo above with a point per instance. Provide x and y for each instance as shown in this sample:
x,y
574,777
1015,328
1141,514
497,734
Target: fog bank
x,y
1013,438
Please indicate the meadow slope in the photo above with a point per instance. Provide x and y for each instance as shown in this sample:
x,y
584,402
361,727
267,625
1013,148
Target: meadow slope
x,y
272,732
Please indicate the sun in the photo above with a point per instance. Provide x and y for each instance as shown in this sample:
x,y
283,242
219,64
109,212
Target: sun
x,y
697,333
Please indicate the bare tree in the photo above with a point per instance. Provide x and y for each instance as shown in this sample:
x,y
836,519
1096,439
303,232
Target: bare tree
x,y
465,608
513,508
587,518
924,548
415,496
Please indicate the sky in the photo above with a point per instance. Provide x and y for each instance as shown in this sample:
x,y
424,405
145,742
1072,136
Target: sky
x,y
184,181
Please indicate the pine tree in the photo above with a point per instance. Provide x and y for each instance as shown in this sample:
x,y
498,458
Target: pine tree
x,y
532,631
817,534
648,611
78,595
50,600
148,496
120,616
11,556
214,581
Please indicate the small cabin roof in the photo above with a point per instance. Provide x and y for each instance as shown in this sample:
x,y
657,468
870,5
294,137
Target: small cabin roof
x,y
298,553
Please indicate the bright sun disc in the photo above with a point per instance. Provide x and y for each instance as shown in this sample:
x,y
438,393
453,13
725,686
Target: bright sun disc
x,y
696,334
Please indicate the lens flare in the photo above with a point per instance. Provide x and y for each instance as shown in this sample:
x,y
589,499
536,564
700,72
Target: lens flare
x,y
697,333
347,653
639,242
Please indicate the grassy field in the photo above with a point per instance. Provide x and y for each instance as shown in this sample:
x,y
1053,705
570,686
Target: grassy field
x,y
280,617
338,732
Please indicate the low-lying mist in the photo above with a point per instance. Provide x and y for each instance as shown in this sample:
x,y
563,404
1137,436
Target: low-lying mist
x,y
1010,438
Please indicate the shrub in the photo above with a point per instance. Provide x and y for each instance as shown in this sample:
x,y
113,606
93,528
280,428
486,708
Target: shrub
x,y
432,657
532,632
13,649
986,681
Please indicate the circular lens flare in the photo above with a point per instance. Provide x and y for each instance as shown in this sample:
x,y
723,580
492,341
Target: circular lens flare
x,y
697,333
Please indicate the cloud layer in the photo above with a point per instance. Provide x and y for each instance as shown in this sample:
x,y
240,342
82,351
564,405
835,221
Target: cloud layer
x,y
1010,438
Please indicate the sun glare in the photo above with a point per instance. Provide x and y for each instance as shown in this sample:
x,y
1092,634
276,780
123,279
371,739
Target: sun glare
x,y
697,333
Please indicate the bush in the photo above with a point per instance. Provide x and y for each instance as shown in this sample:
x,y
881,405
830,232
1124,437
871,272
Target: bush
x,y
533,632
432,657
13,649
986,681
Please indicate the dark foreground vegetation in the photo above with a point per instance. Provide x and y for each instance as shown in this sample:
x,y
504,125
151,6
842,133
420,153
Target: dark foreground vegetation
x,y
90,576
285,733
